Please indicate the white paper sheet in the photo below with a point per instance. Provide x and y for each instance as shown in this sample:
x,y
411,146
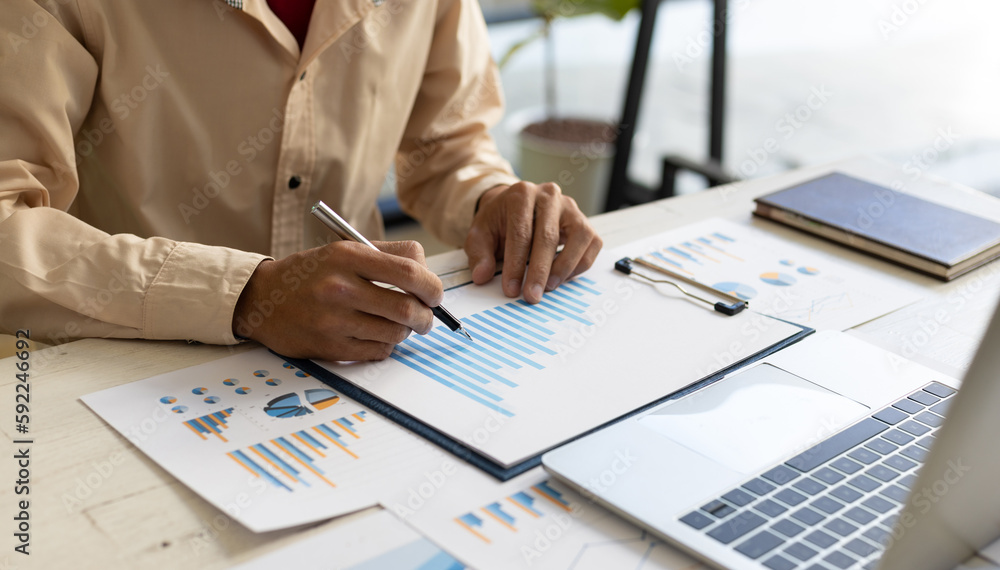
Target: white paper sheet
x,y
378,541
537,375
777,277
531,521
262,440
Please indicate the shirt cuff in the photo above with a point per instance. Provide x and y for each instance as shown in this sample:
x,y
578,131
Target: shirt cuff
x,y
195,292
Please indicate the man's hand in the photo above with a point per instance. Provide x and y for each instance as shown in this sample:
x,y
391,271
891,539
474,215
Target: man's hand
x,y
321,303
524,219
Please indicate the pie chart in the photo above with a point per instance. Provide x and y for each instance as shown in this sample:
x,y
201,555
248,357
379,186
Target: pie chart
x,y
321,398
776,278
199,391
740,290
286,406
243,390
808,270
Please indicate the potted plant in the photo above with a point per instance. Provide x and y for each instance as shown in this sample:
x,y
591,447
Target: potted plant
x,y
574,152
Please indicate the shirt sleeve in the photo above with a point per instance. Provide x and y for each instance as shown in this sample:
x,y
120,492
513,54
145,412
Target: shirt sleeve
x,y
447,158
62,278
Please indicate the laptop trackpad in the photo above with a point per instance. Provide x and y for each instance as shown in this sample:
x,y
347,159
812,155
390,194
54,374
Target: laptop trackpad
x,y
754,418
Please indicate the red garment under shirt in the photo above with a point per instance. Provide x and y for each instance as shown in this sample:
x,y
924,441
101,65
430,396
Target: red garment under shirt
x,y
295,14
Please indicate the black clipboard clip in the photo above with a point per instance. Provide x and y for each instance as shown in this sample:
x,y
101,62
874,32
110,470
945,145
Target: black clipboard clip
x,y
734,306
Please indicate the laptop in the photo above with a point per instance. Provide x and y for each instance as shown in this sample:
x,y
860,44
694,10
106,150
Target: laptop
x,y
831,453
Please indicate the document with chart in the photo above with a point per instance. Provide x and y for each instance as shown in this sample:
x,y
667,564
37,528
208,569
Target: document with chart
x,y
531,521
261,440
776,276
598,347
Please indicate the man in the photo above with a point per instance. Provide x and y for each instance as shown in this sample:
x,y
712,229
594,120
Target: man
x,y
158,160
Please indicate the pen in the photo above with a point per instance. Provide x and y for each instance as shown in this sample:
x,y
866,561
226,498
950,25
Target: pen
x,y
346,231
734,306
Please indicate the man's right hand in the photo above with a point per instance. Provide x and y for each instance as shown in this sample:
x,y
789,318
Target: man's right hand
x,y
322,303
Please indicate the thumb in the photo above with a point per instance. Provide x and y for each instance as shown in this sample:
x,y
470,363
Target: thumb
x,y
481,247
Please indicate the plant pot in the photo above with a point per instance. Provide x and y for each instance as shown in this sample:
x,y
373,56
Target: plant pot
x,y
574,153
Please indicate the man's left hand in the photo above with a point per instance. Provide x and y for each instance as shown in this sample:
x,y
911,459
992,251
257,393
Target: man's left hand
x,y
522,220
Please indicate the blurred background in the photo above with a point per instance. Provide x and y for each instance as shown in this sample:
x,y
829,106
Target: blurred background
x,y
916,82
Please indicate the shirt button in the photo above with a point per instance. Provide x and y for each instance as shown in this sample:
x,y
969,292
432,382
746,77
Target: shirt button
x,y
294,182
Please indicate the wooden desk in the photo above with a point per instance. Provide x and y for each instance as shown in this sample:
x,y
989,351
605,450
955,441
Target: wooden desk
x,y
97,501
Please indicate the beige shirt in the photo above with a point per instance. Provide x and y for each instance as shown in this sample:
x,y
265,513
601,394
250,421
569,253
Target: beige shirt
x,y
188,139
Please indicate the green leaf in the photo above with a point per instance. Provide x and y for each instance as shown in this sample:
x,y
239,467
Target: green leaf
x,y
519,45
614,9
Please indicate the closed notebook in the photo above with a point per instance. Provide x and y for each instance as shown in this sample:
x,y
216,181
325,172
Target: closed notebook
x,y
924,235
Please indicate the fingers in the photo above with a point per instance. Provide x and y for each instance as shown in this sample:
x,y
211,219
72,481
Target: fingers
x,y
520,210
375,328
370,300
405,248
579,253
548,210
322,303
481,247
530,220
404,271
588,257
363,350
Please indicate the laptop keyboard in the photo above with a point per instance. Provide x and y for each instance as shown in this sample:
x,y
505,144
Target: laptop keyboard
x,y
833,505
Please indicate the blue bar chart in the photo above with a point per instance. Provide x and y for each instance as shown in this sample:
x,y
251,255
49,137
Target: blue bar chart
x,y
293,460
211,424
511,512
689,255
512,336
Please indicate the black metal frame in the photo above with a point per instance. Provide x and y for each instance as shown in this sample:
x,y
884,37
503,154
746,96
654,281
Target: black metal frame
x,y
621,190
